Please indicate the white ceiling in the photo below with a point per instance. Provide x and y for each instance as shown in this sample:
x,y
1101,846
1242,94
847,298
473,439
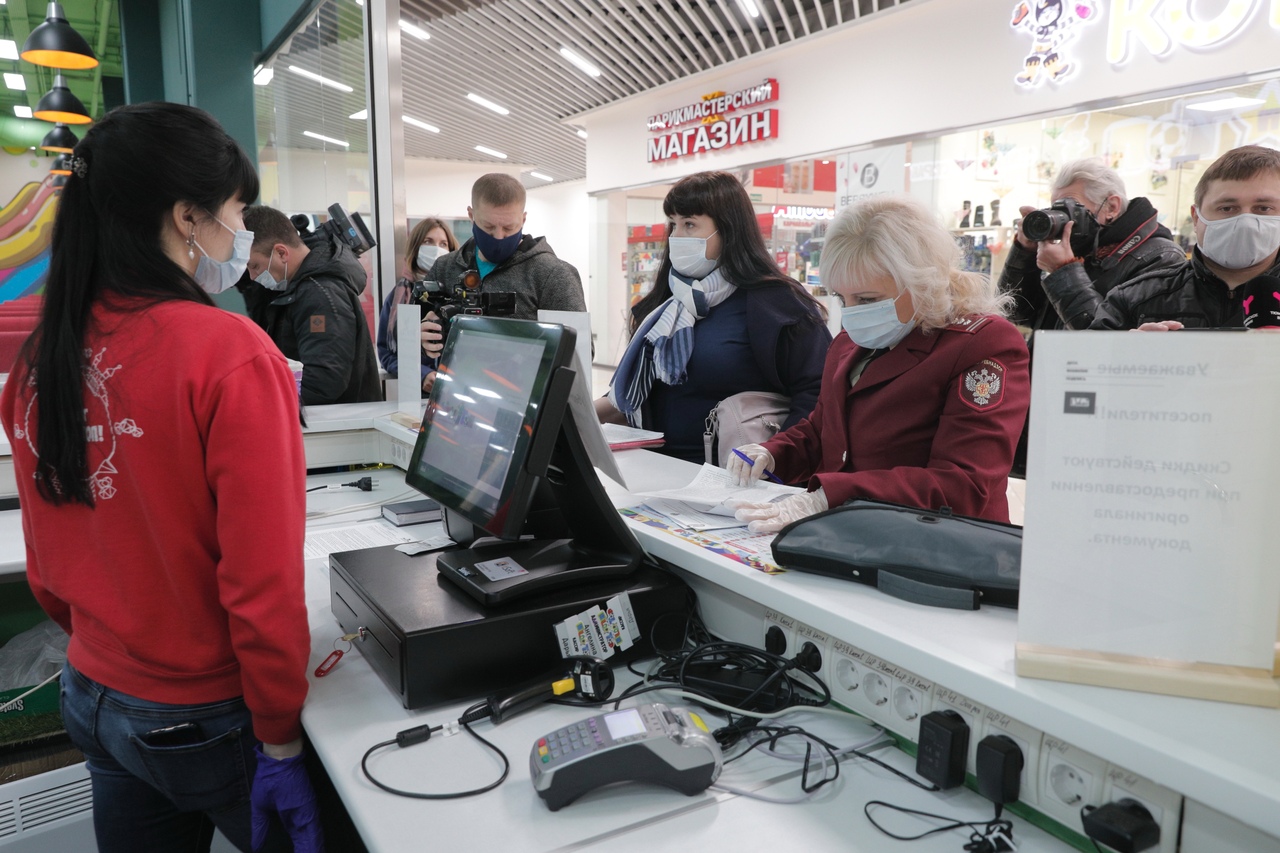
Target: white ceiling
x,y
509,52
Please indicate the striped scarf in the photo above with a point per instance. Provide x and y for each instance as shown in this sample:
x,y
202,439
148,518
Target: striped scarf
x,y
661,347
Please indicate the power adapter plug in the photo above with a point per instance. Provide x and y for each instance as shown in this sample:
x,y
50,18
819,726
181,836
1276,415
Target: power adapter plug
x,y
1124,825
943,748
999,765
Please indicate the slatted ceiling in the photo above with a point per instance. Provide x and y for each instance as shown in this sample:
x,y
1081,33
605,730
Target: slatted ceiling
x,y
509,51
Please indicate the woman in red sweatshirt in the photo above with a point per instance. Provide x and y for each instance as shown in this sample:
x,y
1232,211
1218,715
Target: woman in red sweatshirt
x,y
160,470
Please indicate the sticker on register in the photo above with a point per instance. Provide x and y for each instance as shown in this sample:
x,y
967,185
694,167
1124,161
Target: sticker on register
x,y
600,631
501,569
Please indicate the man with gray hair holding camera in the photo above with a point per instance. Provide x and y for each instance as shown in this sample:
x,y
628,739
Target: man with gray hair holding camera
x,y
1066,258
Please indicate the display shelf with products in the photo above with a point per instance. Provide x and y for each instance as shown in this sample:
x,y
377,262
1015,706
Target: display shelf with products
x,y
984,248
644,256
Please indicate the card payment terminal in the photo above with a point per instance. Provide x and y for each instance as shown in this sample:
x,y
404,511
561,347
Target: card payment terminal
x,y
649,743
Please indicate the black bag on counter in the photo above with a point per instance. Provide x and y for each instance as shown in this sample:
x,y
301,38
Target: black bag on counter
x,y
918,555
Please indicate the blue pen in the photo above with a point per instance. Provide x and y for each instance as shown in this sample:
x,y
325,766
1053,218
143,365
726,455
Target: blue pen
x,y
747,459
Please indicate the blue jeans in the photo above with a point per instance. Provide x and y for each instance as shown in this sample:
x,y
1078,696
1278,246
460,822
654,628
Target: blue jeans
x,y
162,797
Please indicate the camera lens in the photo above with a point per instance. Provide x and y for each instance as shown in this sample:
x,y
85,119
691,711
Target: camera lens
x,y
1044,224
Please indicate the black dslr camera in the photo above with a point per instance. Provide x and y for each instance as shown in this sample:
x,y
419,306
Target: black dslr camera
x,y
341,228
1047,224
463,298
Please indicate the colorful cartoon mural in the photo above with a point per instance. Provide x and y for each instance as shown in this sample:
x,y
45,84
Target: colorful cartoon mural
x,y
26,231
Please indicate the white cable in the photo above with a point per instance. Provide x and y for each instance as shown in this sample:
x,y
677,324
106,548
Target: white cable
x,y
16,699
763,715
356,507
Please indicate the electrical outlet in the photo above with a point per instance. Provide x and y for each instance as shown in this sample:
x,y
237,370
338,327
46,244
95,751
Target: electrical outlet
x,y
1028,740
944,699
811,647
779,633
848,670
1070,779
911,697
1165,805
400,453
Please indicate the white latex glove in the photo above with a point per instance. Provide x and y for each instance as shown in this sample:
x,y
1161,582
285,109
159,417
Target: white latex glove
x,y
746,474
772,517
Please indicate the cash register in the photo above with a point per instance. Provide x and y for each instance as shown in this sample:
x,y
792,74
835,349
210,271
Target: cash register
x,y
502,452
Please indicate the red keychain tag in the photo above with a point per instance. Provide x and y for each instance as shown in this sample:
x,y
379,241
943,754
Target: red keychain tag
x,y
329,663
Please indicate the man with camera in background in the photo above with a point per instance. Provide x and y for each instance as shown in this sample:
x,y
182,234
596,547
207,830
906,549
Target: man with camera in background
x,y
1091,240
312,308
507,259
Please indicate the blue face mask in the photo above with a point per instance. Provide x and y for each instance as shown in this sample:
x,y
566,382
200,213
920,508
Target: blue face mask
x,y
495,251
875,326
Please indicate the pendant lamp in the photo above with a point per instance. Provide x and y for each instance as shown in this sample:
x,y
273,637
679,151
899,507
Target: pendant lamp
x,y
60,140
55,44
61,165
59,105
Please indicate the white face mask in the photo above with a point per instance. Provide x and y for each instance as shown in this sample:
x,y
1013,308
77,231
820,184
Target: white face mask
x,y
1238,242
270,282
875,326
428,255
217,276
689,256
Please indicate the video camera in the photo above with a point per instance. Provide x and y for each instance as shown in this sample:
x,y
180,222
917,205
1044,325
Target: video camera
x,y
348,229
462,298
1047,224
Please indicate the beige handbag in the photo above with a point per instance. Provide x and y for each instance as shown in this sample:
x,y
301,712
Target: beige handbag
x,y
752,417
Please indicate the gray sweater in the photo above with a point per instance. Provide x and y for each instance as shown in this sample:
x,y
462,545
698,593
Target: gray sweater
x,y
534,274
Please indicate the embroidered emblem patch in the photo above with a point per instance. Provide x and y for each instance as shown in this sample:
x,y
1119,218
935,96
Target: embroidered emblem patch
x,y
982,386
317,324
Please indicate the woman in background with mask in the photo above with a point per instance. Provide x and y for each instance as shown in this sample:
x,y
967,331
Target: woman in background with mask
x,y
923,395
721,319
160,468
429,239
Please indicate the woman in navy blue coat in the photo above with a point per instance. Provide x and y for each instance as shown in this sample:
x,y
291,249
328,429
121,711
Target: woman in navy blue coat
x,y
721,319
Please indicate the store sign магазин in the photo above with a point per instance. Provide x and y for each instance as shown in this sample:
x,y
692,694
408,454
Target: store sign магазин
x,y
708,126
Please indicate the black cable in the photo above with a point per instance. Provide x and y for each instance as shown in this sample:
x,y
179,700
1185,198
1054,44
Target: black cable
x,y
895,771
773,734
980,838
409,737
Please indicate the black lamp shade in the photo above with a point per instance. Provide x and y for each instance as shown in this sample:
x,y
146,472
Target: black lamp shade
x,y
55,44
59,140
59,105
61,165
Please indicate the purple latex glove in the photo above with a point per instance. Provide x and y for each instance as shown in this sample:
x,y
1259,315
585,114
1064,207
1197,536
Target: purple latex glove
x,y
281,786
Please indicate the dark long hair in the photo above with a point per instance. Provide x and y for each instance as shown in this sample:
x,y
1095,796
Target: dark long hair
x,y
743,256
130,170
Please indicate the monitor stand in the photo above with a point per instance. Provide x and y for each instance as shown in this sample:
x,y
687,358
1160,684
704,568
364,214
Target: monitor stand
x,y
601,546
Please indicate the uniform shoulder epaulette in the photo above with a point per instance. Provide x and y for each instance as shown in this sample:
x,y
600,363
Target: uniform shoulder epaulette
x,y
970,324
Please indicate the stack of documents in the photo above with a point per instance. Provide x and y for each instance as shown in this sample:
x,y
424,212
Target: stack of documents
x,y
622,437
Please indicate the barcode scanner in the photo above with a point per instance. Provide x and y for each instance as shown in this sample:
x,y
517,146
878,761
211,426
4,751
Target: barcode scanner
x,y
577,680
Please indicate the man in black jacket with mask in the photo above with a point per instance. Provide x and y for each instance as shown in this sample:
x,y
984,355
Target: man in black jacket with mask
x,y
1080,268
312,308
1237,223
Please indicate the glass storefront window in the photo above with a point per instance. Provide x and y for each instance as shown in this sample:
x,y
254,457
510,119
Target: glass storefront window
x,y
313,138
976,180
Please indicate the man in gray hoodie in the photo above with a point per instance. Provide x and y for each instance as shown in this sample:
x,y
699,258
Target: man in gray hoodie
x,y
312,310
507,259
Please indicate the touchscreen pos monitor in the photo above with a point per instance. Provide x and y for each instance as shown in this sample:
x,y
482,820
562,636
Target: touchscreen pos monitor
x,y
496,436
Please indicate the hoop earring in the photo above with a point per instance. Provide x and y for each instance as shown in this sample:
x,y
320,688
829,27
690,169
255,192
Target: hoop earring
x,y
191,240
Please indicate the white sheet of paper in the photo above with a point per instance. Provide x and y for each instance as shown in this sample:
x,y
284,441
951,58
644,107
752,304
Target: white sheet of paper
x,y
713,486
683,515
373,533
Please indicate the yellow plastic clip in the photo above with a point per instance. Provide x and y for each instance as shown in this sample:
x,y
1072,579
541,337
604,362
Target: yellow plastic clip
x,y
563,686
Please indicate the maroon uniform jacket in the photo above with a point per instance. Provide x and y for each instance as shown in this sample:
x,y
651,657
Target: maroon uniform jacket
x,y
932,422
